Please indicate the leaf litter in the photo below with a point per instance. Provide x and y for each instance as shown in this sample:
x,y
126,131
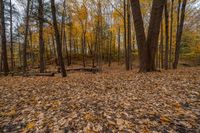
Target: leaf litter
x,y
115,101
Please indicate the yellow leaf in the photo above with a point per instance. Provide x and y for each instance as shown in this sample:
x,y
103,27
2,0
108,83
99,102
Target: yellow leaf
x,y
177,105
89,117
31,125
165,119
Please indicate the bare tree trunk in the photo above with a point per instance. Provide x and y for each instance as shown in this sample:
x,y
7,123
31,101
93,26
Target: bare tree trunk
x,y
110,50
179,34
26,37
171,33
153,33
41,39
20,57
31,47
3,39
166,36
83,48
147,47
11,38
140,34
54,47
119,45
161,46
125,35
57,36
129,50
70,43
1,63
66,47
157,58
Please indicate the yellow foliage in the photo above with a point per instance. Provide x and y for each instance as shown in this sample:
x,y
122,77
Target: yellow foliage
x,y
82,13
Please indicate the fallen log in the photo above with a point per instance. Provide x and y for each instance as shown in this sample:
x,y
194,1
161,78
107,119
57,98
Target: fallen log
x,y
185,64
86,69
44,74
33,74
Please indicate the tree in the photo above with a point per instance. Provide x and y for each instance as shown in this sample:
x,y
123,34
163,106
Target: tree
x,y
171,32
161,46
11,36
179,32
57,37
3,39
166,36
153,33
129,48
140,34
26,36
41,39
147,47
125,35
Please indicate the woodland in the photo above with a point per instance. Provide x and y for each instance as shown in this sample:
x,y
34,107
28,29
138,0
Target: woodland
x,y
100,66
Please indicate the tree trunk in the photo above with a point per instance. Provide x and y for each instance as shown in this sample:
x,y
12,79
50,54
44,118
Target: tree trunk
x,y
179,34
147,47
125,35
58,41
110,50
54,49
70,43
20,57
119,45
41,39
3,39
161,46
31,47
140,34
153,33
66,47
129,49
171,33
11,38
166,36
26,37
83,49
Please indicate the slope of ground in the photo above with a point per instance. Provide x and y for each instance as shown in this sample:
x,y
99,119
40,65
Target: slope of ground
x,y
112,101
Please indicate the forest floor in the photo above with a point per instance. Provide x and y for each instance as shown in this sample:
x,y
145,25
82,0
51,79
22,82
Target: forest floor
x,y
111,101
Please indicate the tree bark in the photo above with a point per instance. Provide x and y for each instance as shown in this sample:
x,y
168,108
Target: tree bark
x,y
110,50
70,42
119,45
171,33
125,35
153,33
41,38
58,41
26,37
129,48
166,36
3,39
147,47
140,34
179,34
161,46
11,37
